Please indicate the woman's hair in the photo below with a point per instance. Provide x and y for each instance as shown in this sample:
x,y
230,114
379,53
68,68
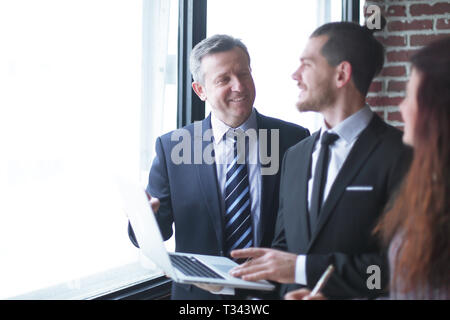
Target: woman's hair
x,y
421,212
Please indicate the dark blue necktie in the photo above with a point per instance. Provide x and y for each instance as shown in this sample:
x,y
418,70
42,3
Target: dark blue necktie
x,y
238,222
320,178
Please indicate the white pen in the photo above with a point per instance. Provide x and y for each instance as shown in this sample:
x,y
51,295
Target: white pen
x,y
322,281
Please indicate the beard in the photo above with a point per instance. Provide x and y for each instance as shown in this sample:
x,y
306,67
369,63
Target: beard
x,y
321,96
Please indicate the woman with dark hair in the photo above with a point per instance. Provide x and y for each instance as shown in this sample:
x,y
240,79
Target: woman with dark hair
x,y
417,226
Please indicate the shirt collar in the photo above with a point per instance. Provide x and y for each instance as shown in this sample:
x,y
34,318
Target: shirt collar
x,y
219,128
351,127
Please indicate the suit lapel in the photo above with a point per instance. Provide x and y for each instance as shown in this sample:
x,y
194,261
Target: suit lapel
x,y
361,150
207,175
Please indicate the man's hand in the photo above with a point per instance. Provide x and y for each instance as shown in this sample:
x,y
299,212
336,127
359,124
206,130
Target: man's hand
x,y
303,294
154,202
265,264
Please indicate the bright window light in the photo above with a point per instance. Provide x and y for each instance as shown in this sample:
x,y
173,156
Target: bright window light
x,y
275,33
70,122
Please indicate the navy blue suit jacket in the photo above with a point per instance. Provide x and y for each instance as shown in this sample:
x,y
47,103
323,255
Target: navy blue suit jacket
x,y
190,196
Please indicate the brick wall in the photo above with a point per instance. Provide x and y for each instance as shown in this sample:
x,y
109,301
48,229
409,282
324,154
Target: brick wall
x,y
411,24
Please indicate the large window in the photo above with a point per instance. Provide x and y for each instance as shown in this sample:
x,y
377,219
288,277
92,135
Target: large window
x,y
275,33
86,86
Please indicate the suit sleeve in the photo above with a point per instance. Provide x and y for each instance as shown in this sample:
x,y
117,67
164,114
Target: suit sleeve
x,y
279,241
352,276
159,187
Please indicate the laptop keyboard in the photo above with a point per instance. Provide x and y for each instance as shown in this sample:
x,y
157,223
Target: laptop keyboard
x,y
190,266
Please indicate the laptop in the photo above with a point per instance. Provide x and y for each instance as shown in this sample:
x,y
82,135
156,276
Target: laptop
x,y
180,267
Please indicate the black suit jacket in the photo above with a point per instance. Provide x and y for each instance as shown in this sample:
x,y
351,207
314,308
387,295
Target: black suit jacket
x,y
343,235
190,197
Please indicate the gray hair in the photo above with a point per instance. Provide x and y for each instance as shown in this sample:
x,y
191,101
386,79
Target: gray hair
x,y
213,44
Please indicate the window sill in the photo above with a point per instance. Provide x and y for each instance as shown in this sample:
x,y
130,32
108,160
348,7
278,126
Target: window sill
x,y
153,289
131,281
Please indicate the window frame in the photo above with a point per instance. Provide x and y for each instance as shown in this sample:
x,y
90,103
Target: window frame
x,y
191,30
350,10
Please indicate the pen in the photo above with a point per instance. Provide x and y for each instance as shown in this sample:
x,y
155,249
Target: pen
x,y
323,280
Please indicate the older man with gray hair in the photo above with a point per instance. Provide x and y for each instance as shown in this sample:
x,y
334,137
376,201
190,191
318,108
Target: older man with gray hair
x,y
227,204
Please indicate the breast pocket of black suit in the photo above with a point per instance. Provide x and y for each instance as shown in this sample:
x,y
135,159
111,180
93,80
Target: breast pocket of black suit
x,y
362,203
359,211
359,197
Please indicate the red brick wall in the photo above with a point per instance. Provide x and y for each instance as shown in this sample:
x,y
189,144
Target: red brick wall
x,y
410,25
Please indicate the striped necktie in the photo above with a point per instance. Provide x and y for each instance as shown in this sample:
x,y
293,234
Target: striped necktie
x,y
238,222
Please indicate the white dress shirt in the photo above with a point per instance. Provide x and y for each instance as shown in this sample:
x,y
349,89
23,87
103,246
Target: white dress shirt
x,y
348,131
224,155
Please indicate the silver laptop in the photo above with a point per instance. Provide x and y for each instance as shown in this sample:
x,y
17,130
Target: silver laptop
x,y
181,267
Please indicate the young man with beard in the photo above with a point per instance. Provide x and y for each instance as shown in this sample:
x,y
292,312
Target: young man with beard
x,y
336,183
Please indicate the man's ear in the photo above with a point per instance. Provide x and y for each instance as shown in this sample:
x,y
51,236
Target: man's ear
x,y
199,90
343,74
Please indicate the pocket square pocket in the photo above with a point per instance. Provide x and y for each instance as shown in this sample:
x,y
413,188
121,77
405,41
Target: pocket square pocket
x,y
359,188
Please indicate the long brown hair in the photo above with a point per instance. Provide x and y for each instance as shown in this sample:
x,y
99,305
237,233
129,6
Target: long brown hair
x,y
421,212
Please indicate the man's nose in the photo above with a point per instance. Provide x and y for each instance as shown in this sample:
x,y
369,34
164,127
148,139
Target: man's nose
x,y
297,75
237,85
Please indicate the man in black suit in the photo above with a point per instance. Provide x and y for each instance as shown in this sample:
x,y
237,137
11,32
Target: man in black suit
x,y
216,203
336,183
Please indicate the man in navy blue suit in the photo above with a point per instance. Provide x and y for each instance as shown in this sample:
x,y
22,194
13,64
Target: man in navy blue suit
x,y
217,200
